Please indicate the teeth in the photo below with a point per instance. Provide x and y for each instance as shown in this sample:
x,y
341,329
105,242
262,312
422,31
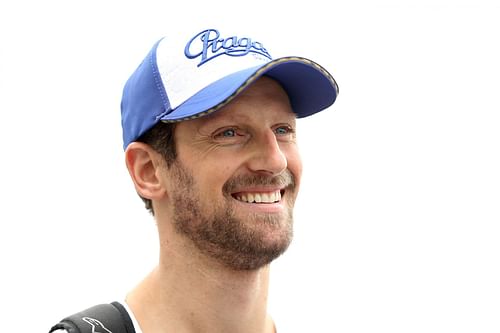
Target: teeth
x,y
260,197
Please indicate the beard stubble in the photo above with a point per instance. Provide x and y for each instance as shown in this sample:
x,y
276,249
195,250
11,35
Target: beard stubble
x,y
239,243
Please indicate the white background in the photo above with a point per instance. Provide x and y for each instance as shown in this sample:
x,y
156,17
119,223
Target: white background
x,y
397,225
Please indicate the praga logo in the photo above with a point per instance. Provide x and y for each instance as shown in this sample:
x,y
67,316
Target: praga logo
x,y
208,44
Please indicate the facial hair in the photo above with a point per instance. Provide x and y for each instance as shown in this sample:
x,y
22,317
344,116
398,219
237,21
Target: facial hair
x,y
239,243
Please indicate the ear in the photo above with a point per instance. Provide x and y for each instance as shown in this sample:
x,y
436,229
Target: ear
x,y
143,164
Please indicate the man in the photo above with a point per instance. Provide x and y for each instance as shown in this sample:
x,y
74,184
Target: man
x,y
210,143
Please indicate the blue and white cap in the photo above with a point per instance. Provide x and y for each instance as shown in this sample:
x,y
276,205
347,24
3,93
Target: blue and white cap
x,y
188,77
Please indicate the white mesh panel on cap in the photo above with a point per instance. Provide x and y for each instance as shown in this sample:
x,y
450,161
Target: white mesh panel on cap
x,y
182,77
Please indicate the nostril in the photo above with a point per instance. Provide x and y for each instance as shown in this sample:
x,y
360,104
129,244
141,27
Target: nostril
x,y
268,156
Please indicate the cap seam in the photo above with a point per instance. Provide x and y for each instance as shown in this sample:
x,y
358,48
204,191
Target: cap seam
x,y
158,82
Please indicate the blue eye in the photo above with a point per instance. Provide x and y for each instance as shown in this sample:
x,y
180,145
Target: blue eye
x,y
282,130
230,132
226,133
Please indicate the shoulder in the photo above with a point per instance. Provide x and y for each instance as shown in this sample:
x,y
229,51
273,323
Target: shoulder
x,y
107,317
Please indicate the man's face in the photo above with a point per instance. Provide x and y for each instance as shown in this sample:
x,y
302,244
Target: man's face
x,y
236,178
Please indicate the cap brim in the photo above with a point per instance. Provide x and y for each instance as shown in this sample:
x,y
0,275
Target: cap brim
x,y
309,86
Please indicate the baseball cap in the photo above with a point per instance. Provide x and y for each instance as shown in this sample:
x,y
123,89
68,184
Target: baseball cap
x,y
186,76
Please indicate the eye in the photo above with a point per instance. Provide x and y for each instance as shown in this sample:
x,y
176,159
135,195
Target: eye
x,y
226,133
229,135
283,130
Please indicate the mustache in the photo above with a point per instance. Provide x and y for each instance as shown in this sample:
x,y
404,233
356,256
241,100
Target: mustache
x,y
286,179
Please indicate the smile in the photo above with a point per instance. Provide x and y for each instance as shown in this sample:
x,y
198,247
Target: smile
x,y
259,197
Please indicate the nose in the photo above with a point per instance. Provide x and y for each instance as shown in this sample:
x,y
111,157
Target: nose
x,y
267,157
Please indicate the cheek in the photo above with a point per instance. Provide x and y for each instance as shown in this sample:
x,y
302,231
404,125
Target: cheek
x,y
209,170
294,162
213,178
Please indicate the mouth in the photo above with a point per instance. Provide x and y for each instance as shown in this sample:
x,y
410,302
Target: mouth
x,y
268,197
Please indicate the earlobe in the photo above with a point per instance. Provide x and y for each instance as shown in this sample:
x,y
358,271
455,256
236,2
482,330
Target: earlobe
x,y
142,164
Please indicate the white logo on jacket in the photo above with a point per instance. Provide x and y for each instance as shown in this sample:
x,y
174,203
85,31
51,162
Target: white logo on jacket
x,y
97,326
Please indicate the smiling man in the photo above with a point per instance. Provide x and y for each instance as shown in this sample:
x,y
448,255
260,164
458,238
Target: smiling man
x,y
209,129
231,189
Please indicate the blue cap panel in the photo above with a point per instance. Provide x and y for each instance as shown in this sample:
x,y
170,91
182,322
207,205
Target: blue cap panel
x,y
309,89
144,98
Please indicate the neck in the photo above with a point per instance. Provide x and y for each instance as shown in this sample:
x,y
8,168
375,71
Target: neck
x,y
188,292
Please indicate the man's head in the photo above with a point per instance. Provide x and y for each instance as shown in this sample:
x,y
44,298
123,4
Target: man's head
x,y
225,180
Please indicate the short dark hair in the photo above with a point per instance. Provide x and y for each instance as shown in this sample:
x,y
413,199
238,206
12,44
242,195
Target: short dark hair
x,y
161,138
